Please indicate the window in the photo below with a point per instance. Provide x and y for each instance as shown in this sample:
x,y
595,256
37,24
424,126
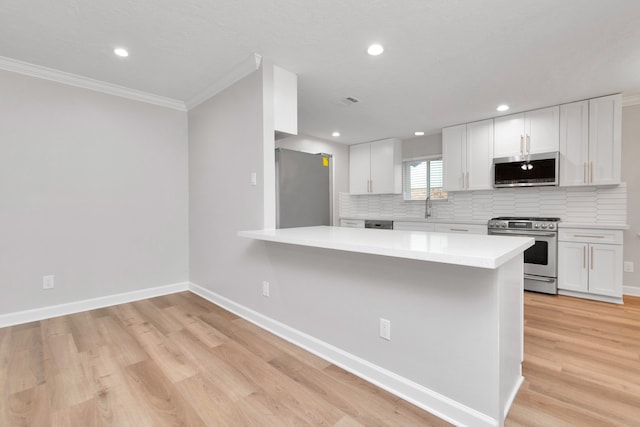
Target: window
x,y
421,176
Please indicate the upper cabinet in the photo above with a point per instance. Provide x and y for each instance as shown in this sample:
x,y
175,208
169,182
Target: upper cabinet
x,y
285,92
531,132
590,142
467,152
376,167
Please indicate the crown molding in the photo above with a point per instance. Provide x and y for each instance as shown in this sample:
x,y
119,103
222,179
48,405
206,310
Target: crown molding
x,y
630,99
238,72
16,66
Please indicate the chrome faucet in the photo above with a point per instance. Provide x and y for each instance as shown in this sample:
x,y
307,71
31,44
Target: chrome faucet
x,y
427,207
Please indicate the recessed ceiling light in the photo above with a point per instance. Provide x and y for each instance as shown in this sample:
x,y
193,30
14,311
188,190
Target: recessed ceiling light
x,y
335,134
418,133
503,107
121,52
375,50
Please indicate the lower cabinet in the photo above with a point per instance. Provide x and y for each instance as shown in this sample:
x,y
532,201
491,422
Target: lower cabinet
x,y
413,226
590,263
353,223
461,228
440,227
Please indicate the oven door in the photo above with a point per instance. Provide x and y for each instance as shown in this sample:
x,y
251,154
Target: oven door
x,y
539,259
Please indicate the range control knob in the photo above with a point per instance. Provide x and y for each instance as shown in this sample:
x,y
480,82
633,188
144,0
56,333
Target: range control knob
x,y
536,225
552,226
503,225
543,226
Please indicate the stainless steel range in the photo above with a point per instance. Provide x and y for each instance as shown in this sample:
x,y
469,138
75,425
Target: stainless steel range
x,y
540,260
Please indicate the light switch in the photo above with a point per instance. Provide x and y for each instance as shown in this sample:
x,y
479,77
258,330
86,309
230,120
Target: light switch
x,y
254,178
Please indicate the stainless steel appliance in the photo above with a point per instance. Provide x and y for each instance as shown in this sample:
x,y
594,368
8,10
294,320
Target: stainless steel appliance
x,y
526,171
382,224
303,189
540,260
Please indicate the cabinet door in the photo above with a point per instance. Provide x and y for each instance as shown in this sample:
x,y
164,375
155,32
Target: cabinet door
x,y
413,226
574,143
386,166
454,142
509,136
573,273
542,130
605,140
479,155
359,168
605,270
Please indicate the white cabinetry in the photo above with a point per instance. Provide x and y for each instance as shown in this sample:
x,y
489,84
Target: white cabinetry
x,y
285,92
413,226
376,167
467,152
440,227
352,223
590,142
590,264
531,132
461,228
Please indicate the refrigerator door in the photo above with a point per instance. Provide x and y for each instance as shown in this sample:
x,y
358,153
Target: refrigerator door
x,y
303,189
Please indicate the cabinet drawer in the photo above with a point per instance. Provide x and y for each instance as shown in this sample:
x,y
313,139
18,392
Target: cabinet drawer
x,y
461,228
612,237
413,226
353,223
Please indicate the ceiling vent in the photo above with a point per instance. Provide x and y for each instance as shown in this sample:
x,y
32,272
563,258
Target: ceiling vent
x,y
350,100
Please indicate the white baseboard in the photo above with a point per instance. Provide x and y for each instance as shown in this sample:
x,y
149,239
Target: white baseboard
x,y
633,291
88,304
429,400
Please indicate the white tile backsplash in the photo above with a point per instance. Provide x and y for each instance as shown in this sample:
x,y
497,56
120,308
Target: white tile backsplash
x,y
591,205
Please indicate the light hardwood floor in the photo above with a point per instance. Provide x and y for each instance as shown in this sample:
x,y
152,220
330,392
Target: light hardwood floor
x,y
180,360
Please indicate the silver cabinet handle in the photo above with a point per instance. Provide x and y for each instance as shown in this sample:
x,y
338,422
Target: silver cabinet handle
x,y
592,257
467,180
584,173
459,229
528,144
584,257
591,173
591,236
522,145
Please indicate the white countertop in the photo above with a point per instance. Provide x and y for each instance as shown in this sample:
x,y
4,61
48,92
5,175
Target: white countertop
x,y
461,249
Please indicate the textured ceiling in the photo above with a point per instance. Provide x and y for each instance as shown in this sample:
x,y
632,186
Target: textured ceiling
x,y
445,61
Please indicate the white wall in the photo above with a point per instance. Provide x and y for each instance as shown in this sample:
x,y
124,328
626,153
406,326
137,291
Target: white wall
x,y
420,146
93,190
631,175
225,147
340,153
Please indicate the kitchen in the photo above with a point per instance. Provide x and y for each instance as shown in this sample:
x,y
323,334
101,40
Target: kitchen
x,y
199,198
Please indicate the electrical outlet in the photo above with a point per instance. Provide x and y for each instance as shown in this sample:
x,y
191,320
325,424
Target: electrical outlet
x,y
265,288
385,329
628,266
48,282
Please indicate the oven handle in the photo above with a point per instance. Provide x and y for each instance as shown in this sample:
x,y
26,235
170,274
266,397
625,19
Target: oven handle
x,y
522,233
539,279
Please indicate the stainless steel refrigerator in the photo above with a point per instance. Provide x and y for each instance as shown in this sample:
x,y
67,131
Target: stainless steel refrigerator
x,y
303,189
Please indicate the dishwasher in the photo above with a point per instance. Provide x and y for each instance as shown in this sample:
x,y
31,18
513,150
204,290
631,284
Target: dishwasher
x,y
381,224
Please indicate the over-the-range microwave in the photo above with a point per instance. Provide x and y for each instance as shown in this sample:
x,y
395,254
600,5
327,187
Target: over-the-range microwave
x,y
526,171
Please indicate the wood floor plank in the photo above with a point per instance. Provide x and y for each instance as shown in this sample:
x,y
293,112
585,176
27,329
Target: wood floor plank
x,y
301,402
28,407
213,404
161,397
181,360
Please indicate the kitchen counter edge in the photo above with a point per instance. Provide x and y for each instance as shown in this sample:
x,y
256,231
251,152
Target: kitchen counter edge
x,y
460,249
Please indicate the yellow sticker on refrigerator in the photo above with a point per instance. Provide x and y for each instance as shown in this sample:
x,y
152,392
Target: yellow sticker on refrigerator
x,y
325,161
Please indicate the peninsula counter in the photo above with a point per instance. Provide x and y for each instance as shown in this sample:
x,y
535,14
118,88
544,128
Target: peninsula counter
x,y
455,303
